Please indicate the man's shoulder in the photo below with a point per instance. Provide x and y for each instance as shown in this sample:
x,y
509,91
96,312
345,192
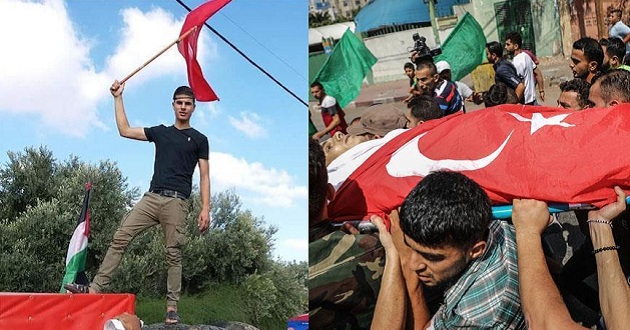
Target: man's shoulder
x,y
492,278
197,134
328,101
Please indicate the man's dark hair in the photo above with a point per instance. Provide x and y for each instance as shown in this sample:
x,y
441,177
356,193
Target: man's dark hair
x,y
317,180
603,42
616,47
581,87
592,50
499,93
427,64
317,84
409,65
515,38
494,47
617,11
184,90
615,84
424,107
446,208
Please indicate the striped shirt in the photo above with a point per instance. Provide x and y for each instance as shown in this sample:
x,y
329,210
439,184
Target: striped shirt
x,y
486,295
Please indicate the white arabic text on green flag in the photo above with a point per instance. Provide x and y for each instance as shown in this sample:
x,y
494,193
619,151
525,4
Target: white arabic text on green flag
x,y
464,48
344,70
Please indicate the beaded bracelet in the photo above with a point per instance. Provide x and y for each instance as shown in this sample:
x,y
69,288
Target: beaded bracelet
x,y
606,248
601,221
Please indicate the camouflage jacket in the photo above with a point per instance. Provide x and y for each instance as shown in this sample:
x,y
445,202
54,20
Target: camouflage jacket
x,y
344,279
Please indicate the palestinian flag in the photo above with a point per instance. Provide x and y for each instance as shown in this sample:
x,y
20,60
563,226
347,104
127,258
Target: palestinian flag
x,y
77,249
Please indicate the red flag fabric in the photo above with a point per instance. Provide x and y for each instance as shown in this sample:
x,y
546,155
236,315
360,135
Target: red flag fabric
x,y
512,151
188,48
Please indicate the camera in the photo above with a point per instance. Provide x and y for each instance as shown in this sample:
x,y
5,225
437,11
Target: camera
x,y
423,52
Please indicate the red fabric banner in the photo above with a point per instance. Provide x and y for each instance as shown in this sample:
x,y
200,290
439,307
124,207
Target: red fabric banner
x,y
188,47
512,151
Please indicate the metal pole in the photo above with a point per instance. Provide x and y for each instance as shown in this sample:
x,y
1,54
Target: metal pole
x,y
436,35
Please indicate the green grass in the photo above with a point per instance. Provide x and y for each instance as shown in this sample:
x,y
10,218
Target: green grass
x,y
220,303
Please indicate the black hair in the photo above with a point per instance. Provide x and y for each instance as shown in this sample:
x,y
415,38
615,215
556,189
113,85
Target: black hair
x,y
616,47
603,42
424,107
409,65
618,11
581,87
592,50
317,84
446,208
317,180
427,64
184,90
515,38
499,93
615,84
494,47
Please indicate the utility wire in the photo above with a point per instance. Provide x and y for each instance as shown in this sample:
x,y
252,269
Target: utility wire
x,y
246,57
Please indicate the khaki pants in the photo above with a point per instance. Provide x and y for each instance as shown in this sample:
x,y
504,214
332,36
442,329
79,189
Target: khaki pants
x,y
152,209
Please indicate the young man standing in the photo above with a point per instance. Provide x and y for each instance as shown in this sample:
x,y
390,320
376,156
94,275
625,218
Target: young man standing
x,y
587,58
332,114
178,150
618,29
504,71
525,68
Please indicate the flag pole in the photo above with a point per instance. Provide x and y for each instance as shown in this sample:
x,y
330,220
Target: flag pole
x,y
158,54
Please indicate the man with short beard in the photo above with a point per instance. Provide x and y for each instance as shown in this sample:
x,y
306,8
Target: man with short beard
x,y
446,238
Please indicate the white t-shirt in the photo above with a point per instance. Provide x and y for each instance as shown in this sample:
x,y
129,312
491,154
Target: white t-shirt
x,y
525,69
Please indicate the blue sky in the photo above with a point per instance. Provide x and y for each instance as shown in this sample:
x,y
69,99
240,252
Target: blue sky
x,y
60,57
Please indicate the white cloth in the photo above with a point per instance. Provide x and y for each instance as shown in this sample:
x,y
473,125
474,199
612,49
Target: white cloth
x,y
463,89
525,69
328,101
344,165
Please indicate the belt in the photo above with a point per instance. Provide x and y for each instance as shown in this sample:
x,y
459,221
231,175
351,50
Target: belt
x,y
169,193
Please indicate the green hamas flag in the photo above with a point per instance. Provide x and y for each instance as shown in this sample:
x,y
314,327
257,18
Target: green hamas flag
x,y
342,73
464,48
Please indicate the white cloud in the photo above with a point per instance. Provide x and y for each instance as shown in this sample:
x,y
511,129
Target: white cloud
x,y
250,124
48,69
269,186
143,36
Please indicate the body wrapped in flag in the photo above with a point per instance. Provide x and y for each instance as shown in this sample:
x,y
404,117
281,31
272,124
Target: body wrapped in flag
x,y
512,151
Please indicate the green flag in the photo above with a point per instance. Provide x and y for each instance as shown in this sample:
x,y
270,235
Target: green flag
x,y
464,48
342,73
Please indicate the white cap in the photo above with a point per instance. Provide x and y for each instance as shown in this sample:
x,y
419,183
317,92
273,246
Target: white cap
x,y
441,66
113,324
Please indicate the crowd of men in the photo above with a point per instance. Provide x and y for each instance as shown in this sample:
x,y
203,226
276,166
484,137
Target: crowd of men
x,y
441,261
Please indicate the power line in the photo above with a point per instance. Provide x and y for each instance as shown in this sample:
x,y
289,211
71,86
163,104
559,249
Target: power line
x,y
246,57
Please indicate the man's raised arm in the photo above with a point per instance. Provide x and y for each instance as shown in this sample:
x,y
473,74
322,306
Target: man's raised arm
x,y
124,129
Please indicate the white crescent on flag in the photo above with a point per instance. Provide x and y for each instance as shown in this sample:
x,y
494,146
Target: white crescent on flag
x,y
409,160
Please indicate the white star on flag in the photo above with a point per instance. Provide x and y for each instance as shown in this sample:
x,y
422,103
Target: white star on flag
x,y
538,121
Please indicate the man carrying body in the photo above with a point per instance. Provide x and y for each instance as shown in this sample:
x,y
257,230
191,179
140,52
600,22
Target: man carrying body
x,y
505,72
610,89
178,149
618,29
446,238
332,114
525,68
587,57
444,92
574,94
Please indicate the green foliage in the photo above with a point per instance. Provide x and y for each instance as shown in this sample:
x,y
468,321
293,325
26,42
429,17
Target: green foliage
x,y
40,202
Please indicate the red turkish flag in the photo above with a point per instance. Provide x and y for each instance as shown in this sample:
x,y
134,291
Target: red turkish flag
x,y
188,48
512,151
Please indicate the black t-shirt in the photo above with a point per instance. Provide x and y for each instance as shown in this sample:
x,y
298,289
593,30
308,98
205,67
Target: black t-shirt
x,y
176,155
